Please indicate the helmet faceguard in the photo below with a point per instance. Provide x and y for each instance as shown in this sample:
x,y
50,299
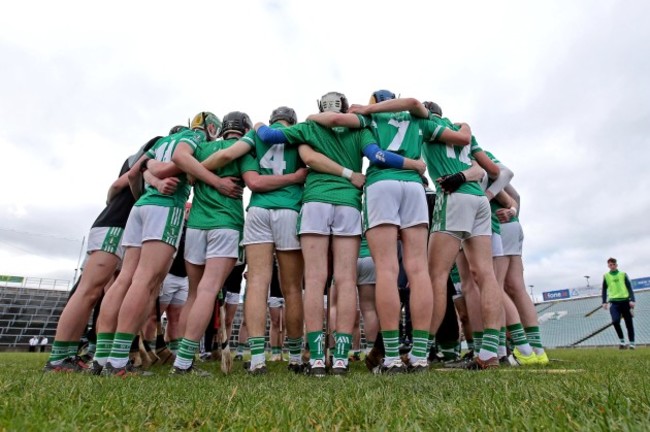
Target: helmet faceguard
x,y
333,102
208,122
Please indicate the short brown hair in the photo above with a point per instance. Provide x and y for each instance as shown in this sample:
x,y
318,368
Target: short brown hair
x,y
611,260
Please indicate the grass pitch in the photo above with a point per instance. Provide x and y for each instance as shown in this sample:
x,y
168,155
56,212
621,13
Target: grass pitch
x,y
587,389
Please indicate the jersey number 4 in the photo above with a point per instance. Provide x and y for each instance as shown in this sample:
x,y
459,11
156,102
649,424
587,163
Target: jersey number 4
x,y
274,159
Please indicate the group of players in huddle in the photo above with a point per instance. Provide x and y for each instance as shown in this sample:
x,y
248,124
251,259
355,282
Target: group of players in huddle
x,y
315,215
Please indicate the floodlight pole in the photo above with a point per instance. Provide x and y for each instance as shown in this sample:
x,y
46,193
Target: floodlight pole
x,y
532,296
81,251
587,277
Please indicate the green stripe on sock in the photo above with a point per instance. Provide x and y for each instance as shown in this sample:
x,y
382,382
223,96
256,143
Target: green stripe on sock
x,y
257,345
391,342
104,345
490,340
187,349
517,334
420,343
121,345
534,336
294,345
478,340
59,352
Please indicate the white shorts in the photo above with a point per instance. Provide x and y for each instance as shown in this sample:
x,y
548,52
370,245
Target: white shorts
x,y
106,239
513,238
326,219
497,245
232,298
272,226
462,215
366,271
201,245
276,302
151,222
174,290
394,202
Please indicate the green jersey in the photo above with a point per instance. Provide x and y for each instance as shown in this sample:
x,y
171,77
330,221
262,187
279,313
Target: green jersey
x,y
162,151
276,159
494,204
210,209
443,159
343,146
399,133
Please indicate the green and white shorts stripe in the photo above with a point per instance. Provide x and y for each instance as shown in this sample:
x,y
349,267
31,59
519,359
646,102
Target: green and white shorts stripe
x,y
151,222
106,239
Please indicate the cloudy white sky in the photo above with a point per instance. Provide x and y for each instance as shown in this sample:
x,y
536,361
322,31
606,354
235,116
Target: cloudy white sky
x,y
559,91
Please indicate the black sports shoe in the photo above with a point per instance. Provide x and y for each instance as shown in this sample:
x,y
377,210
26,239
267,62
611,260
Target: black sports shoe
x,y
94,368
317,369
296,367
258,369
393,368
192,370
70,364
123,372
478,364
339,368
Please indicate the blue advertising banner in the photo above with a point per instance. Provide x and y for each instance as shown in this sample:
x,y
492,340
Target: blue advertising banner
x,y
640,283
556,295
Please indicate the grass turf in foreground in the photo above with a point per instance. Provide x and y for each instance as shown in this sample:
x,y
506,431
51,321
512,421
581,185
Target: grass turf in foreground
x,y
610,392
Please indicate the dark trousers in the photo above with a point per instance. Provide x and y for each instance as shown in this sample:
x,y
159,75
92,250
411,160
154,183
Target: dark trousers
x,y
618,310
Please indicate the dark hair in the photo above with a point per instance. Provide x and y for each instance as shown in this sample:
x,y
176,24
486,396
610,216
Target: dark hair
x,y
611,260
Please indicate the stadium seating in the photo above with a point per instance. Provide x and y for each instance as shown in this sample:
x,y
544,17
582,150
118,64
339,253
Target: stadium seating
x,y
582,322
27,312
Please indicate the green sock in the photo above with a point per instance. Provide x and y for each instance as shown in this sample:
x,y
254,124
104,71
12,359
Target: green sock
x,y
534,337
173,345
104,345
276,350
316,345
391,343
186,351
478,340
59,352
120,350
342,346
420,344
294,345
502,350
257,345
490,345
519,338
448,350
470,344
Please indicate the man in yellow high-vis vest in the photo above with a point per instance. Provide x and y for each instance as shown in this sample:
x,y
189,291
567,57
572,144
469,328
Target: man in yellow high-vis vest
x,y
617,290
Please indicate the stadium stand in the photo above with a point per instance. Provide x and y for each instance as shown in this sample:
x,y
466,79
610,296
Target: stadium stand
x,y
582,322
27,312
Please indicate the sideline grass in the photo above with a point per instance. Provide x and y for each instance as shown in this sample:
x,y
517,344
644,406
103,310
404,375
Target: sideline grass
x,y
611,393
